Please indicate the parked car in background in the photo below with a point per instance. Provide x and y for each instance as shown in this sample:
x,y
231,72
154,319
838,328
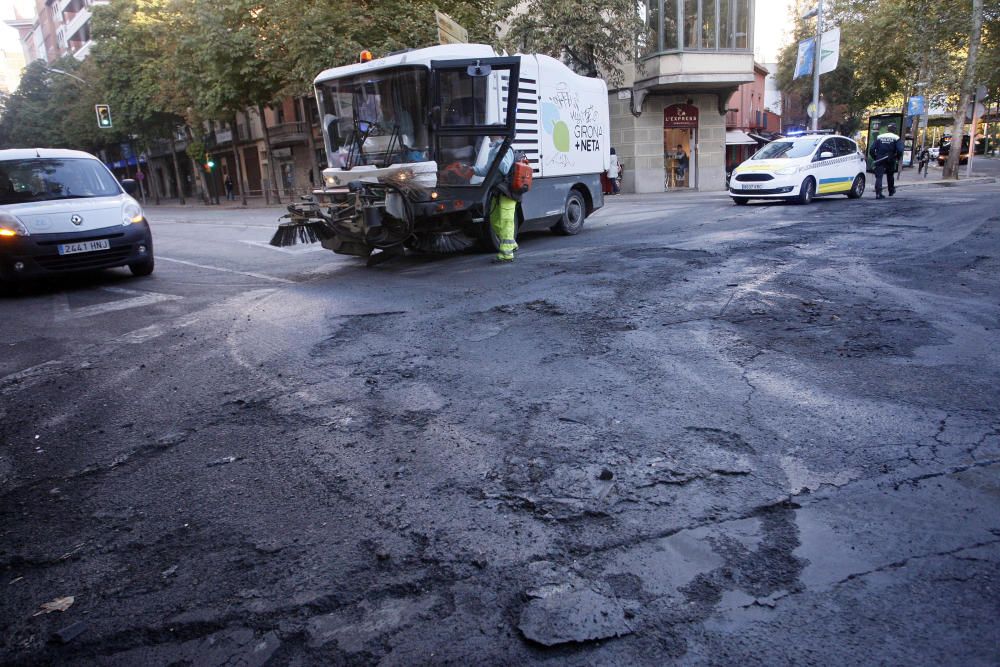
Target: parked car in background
x,y
944,147
63,211
799,168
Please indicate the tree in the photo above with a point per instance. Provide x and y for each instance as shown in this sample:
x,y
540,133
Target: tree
x,y
887,46
965,94
595,39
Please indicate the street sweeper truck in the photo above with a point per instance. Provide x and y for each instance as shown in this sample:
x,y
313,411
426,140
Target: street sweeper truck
x,y
408,141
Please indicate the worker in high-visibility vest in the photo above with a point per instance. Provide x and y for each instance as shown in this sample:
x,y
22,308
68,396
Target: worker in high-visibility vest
x,y
503,203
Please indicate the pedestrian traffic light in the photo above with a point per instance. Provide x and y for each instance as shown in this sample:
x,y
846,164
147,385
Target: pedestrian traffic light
x,y
103,116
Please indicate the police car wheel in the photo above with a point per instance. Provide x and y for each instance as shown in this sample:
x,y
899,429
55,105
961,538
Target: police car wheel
x,y
574,213
857,188
807,191
741,201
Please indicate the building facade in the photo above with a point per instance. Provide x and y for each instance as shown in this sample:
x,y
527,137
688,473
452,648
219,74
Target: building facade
x,y
58,28
668,121
749,122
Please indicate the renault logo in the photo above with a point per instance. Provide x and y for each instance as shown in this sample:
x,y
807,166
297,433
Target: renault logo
x,y
76,219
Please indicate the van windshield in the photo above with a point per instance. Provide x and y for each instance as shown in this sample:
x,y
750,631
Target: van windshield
x,y
790,148
45,179
376,118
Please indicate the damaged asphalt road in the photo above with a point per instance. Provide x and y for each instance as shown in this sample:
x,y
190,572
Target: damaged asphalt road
x,y
693,434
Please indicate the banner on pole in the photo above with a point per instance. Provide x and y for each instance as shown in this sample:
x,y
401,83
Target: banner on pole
x,y
829,51
804,63
829,55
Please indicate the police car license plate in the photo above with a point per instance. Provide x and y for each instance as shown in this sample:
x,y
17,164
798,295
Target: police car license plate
x,y
85,246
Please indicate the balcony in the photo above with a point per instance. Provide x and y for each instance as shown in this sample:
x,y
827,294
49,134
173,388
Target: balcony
x,y
288,134
78,22
83,51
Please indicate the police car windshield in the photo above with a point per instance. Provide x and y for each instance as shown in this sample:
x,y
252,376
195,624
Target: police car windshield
x,y
41,179
790,148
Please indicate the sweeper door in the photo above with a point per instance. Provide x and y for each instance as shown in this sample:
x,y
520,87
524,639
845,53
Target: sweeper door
x,y
476,100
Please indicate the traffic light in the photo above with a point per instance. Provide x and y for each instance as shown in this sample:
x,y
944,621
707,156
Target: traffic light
x,y
103,116
209,164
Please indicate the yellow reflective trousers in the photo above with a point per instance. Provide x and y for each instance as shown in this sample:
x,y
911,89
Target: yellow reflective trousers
x,y
502,219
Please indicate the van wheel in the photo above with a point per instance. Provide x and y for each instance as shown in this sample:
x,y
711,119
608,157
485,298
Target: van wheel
x,y
741,201
143,268
574,213
858,187
807,191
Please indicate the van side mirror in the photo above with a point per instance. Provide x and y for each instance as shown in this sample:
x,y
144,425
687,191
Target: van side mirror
x,y
130,186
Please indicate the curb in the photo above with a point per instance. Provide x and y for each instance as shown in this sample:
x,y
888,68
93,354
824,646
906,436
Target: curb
x,y
975,180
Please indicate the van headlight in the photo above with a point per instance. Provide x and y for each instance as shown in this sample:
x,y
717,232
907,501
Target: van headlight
x,y
131,213
11,226
786,171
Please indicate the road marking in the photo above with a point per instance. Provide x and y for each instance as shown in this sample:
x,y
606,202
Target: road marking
x,y
260,276
300,249
156,330
136,300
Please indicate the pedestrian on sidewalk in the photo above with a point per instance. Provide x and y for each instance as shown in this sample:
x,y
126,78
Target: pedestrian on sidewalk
x,y
228,183
923,159
884,152
614,171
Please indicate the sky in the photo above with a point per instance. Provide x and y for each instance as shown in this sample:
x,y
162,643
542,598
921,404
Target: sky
x,y
772,29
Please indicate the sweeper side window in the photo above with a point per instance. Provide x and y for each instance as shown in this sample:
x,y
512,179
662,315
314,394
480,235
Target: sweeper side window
x,y
474,100
376,118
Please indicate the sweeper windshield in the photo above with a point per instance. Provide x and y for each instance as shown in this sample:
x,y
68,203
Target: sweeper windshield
x,y
376,118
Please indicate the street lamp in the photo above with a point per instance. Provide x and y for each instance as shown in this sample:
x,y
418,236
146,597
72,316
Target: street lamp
x,y
65,73
816,11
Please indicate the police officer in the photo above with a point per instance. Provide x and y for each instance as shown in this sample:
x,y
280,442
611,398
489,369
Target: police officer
x,y
884,151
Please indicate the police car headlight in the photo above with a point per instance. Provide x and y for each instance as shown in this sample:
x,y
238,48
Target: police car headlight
x,y
131,213
786,171
11,226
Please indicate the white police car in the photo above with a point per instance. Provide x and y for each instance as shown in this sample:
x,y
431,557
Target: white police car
x,y
64,211
799,168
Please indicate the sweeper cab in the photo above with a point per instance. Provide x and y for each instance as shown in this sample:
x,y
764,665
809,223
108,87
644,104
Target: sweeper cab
x,y
408,140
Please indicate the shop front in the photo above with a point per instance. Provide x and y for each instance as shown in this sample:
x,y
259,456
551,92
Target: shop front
x,y
680,146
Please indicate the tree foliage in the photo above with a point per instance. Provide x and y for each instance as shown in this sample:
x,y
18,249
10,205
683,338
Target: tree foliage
x,y
160,63
597,39
889,46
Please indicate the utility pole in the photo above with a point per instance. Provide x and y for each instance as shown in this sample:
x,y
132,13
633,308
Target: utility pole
x,y
965,94
817,56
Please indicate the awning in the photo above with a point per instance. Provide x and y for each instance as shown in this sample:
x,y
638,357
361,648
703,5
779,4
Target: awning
x,y
739,138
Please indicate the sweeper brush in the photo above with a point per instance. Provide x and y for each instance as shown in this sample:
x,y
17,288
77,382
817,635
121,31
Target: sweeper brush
x,y
295,231
443,243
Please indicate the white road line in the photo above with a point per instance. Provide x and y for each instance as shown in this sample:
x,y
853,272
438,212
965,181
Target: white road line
x,y
261,276
140,299
298,250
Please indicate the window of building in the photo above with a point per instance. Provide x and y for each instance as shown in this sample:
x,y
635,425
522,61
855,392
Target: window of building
x,y
696,25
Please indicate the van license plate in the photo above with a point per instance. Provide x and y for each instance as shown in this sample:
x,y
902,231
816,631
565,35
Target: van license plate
x,y
85,246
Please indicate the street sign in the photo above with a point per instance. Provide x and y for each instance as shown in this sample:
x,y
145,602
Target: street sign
x,y
449,30
811,109
915,106
103,112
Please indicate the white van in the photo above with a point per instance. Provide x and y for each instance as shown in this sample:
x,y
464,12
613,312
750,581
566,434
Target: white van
x,y
63,211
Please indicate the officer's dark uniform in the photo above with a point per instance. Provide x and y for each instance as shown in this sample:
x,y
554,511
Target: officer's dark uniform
x,y
884,151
